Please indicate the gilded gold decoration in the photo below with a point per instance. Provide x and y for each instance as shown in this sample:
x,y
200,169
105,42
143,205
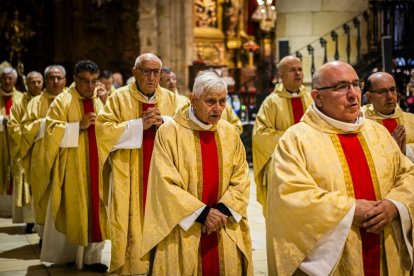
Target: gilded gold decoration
x,y
205,12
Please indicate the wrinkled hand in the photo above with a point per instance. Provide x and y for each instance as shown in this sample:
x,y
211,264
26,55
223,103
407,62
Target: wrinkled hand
x,y
362,207
215,220
87,120
101,92
151,117
399,136
382,214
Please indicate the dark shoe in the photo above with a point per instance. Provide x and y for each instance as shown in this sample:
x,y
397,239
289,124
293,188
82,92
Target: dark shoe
x,y
29,228
101,268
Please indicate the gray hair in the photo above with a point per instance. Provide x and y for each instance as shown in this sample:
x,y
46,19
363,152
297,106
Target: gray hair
x,y
208,81
59,67
8,70
147,56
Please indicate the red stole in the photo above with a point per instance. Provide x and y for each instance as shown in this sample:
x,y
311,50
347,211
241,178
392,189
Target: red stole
x,y
8,102
209,243
390,124
363,189
93,174
297,109
148,138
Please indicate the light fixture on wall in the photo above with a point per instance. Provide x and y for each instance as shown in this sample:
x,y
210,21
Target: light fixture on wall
x,y
266,14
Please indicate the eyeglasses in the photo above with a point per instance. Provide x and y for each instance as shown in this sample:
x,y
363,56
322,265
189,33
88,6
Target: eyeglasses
x,y
147,71
384,91
343,86
87,81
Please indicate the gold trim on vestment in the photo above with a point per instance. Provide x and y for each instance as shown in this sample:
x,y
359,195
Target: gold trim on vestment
x,y
220,192
344,164
290,110
371,166
349,183
199,164
140,167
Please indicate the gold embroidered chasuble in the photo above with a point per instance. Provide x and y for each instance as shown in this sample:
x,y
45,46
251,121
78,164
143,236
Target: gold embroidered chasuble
x,y
230,116
21,190
275,116
123,168
70,180
33,154
402,118
312,191
5,150
174,192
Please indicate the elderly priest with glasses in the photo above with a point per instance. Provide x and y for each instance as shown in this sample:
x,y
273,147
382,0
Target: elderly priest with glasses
x,y
382,92
342,193
126,131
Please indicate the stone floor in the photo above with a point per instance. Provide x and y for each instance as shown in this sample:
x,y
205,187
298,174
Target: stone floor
x,y
19,252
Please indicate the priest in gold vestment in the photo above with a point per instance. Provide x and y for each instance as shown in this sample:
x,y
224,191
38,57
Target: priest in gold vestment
x,y
126,131
381,91
341,199
32,148
22,198
198,191
76,205
9,96
280,110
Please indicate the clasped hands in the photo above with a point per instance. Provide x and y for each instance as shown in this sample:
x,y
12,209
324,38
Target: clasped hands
x,y
151,117
400,137
374,215
87,120
214,221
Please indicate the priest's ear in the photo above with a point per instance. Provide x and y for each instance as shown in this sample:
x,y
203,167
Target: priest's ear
x,y
316,97
192,98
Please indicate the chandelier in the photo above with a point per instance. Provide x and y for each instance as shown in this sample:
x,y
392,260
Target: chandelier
x,y
266,14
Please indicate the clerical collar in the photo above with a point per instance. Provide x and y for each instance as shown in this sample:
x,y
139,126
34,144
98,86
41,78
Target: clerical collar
x,y
293,94
386,116
339,124
150,99
194,118
4,93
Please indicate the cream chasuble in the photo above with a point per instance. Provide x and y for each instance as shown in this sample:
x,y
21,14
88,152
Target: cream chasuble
x,y
33,152
230,116
123,167
21,191
6,103
278,112
75,202
314,190
175,192
399,117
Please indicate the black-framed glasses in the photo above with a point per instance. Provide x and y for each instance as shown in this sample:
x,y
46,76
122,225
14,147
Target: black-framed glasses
x,y
384,91
148,71
87,81
342,86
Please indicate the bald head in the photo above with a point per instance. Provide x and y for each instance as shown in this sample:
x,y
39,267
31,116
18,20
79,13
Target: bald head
x,y
147,57
291,73
336,91
381,91
34,83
